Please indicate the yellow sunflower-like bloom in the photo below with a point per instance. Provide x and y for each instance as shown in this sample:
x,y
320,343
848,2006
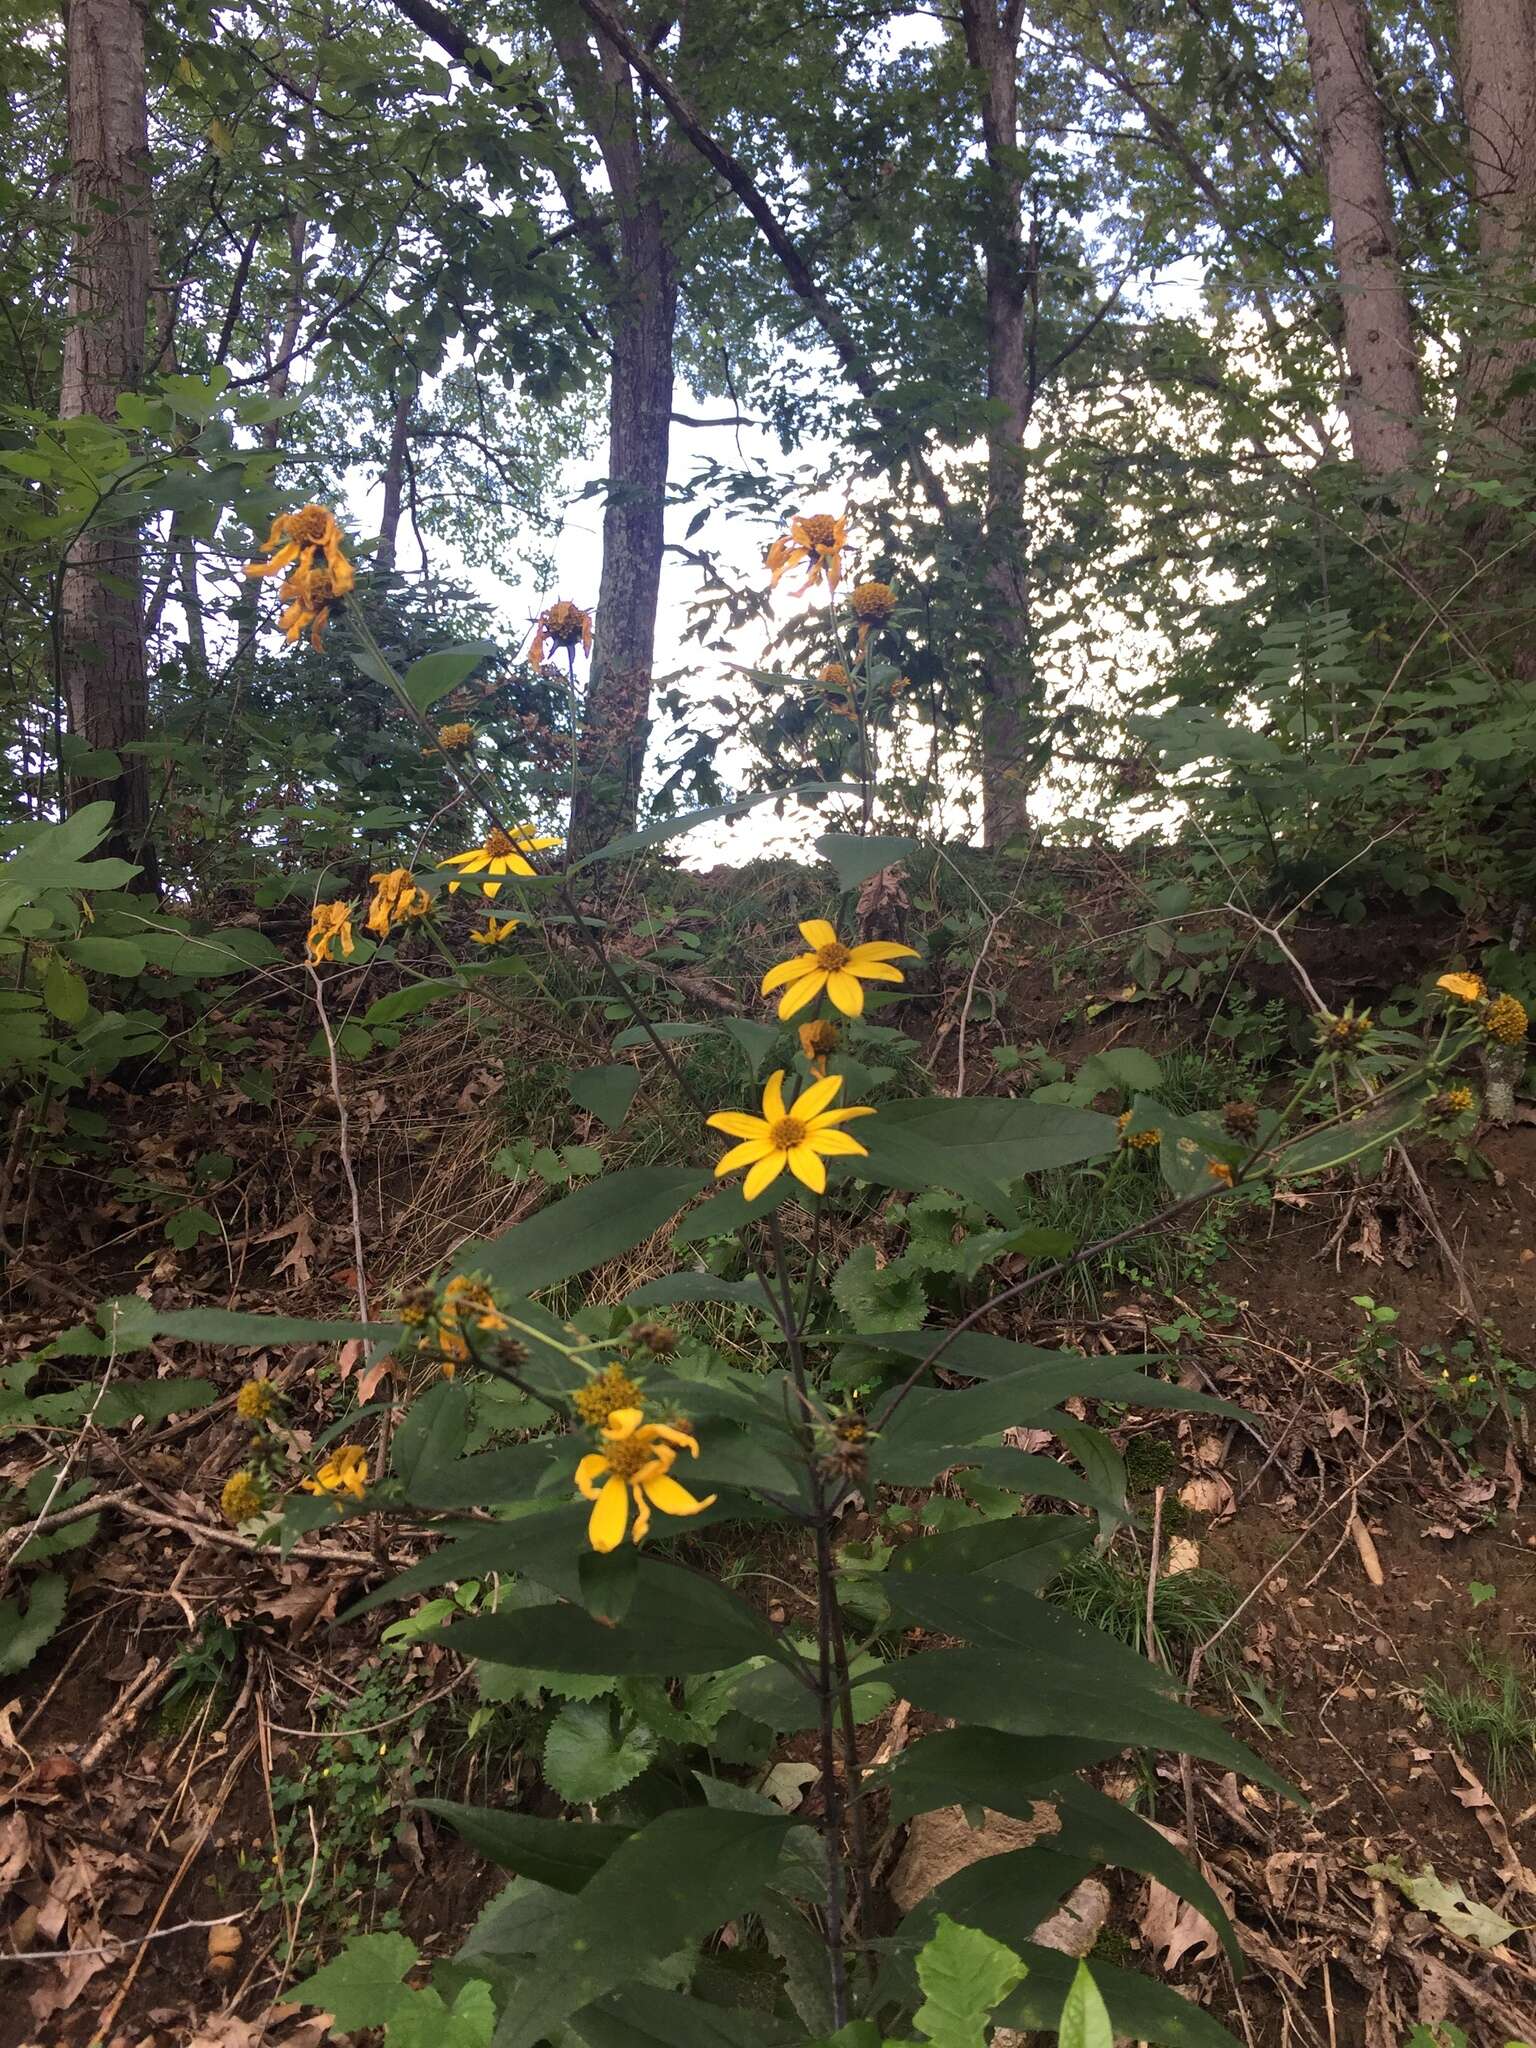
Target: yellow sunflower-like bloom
x,y
832,966
561,624
257,1401
396,900
330,925
800,1137
345,1471
452,737
636,1459
299,537
872,604
1467,988
242,1497
502,853
1505,1020
494,933
817,539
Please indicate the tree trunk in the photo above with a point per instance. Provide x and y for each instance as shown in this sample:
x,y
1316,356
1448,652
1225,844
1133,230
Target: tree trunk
x,y
1498,93
101,624
991,41
394,479
1383,396
616,719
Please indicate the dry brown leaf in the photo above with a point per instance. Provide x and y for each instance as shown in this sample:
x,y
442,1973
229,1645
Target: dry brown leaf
x,y
1173,1929
300,1255
1183,1556
1077,1922
1209,1495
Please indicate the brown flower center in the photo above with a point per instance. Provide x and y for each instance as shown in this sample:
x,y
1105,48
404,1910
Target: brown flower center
x,y
820,529
629,1456
309,526
833,958
564,622
787,1133
498,844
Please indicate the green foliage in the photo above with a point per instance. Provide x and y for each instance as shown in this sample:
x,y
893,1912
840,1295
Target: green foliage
x,y
1492,1718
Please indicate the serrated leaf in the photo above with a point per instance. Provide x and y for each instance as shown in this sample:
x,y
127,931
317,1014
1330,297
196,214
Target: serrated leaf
x,y
23,1634
587,1757
1478,1926
964,1975
363,1986
875,1298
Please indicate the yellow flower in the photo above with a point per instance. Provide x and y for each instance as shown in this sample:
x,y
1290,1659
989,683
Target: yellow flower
x,y
833,674
1219,1170
494,933
818,539
452,737
396,900
1453,1102
242,1497
330,924
345,1471
256,1401
561,624
834,967
612,1388
1467,988
818,1041
873,603
466,1296
299,537
503,853
636,1459
799,1137
837,690
1505,1020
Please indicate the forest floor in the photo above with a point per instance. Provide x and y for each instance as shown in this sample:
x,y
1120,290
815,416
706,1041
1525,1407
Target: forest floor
x,y
1349,1569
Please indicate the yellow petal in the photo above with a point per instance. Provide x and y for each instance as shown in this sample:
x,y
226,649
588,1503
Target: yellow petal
x,y
763,1175
806,991
588,1472
675,1499
623,1422
744,1155
737,1123
836,1145
788,970
610,1518
846,994
487,889
816,1098
642,1512
773,1098
1469,987
878,949
469,862
829,1117
806,1167
816,933
668,1434
875,970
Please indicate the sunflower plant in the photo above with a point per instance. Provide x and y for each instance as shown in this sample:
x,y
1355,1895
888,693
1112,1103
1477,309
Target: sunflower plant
x,y
660,1487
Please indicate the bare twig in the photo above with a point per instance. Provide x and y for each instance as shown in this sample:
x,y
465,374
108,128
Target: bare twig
x,y
118,1948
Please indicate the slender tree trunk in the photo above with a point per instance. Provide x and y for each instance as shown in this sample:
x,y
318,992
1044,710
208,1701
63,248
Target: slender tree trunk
x,y
101,623
394,478
192,606
1383,395
1497,52
616,719
991,41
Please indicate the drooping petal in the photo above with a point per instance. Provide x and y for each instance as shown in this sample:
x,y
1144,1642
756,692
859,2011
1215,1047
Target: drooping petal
x,y
623,1422
813,1100
805,992
747,1154
642,1512
763,1175
816,933
806,1167
668,1434
878,949
610,1518
875,970
737,1123
836,1145
829,1117
773,1097
673,1498
788,970
846,993
588,1472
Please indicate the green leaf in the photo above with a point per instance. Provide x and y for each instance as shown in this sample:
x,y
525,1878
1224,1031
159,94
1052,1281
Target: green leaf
x,y
1125,1067
1025,1550
687,1873
408,1001
1137,2006
989,1613
678,1622
237,1327
672,828
645,2016
1043,1379
608,1581
64,991
873,1297
22,1635
434,675
606,1091
589,1754
679,1287
563,1854
1477,1925
432,1435
107,956
423,2021
756,1039
1085,2017
981,1767
362,1987
976,1145
595,1224
856,858
964,1975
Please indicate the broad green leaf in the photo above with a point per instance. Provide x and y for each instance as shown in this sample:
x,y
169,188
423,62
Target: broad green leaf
x,y
583,1230
107,956
589,1754
515,1472
493,1549
981,1767
1085,2017
976,1145
606,1091
964,1975
687,1873
432,1435
362,1987
434,675
728,1213
1044,1379
673,828
23,1634
645,2016
563,1854
64,992
856,858
680,1287
1138,2006
1125,1067
756,1039
236,1327
982,1610
1099,1827
423,2021
409,1001
1025,1550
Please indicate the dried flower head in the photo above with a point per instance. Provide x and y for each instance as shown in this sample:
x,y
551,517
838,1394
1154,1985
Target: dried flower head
x,y
397,899
1466,988
1505,1020
873,603
816,539
330,924
561,624
451,738
657,1338
1240,1119
1343,1034
1451,1103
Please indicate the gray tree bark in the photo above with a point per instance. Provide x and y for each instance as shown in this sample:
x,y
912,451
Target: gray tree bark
x,y
101,622
1383,394
1497,56
394,477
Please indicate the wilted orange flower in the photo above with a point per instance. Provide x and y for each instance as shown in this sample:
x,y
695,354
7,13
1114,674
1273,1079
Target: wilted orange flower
x,y
299,537
818,539
561,624
330,925
872,604
396,900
